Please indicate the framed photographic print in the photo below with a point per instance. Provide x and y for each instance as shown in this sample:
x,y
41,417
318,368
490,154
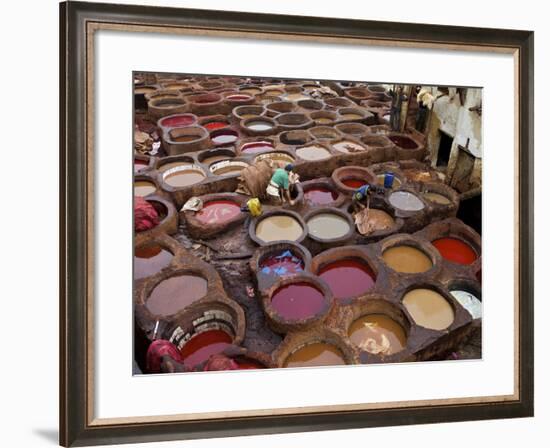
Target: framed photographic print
x,y
277,224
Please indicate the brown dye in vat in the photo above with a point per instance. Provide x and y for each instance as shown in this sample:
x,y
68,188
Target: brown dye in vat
x,y
142,90
437,198
149,260
279,227
212,159
313,152
144,188
378,334
324,120
315,354
429,309
184,178
407,259
348,146
379,220
175,293
185,138
352,116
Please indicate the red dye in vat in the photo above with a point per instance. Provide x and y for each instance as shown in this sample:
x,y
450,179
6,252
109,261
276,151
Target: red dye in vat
x,y
139,165
178,121
248,364
224,137
320,196
216,125
239,97
297,301
203,345
348,278
455,250
256,147
353,183
282,264
217,212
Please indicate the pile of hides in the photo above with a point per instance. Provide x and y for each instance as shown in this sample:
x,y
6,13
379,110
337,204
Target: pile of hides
x,y
254,179
145,215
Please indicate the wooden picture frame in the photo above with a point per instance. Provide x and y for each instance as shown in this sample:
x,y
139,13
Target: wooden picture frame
x,y
78,21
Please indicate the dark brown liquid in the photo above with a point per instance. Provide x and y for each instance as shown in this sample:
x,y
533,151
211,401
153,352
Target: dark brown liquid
x,y
316,354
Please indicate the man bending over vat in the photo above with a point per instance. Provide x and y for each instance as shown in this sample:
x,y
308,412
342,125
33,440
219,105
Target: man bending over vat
x,y
361,196
278,188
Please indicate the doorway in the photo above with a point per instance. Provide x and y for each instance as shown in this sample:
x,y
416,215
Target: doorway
x,y
444,151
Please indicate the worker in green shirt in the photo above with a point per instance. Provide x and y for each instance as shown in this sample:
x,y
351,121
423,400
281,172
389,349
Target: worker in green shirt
x,y
278,187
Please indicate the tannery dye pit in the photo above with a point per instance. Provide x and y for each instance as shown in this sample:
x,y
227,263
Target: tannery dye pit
x,y
302,223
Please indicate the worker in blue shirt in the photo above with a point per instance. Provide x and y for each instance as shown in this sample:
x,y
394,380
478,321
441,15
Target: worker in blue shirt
x,y
361,196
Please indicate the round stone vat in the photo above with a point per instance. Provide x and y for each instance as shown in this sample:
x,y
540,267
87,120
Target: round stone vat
x,y
315,348
171,294
278,260
348,179
347,146
339,102
163,94
310,104
455,249
406,147
295,138
352,114
220,212
324,117
405,254
259,125
168,221
214,122
296,303
280,107
429,306
348,271
443,199
329,226
228,167
321,193
182,175
185,139
235,99
313,152
406,202
210,156
278,158
293,120
356,94
244,112
161,107
256,146
222,137
206,328
356,130
151,258
324,133
381,147
177,121
379,329
211,84
176,85
206,104
276,226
